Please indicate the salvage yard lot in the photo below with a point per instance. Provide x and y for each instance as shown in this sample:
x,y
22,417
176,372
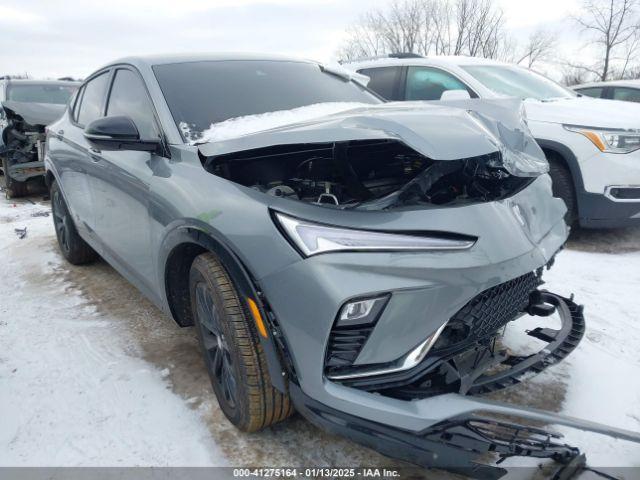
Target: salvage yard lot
x,y
91,374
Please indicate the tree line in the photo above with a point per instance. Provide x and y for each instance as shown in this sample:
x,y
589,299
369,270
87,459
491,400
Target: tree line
x,y
478,28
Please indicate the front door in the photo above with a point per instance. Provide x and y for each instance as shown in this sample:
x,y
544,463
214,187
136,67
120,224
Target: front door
x,y
122,182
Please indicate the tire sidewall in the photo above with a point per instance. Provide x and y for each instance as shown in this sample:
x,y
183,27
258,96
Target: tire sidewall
x,y
239,414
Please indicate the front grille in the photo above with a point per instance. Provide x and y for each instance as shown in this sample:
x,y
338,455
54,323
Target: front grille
x,y
345,344
466,340
489,311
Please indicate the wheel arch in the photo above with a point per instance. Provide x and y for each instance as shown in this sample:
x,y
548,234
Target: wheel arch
x,y
180,249
566,156
49,178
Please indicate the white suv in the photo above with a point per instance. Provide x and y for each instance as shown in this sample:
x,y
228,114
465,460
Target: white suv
x,y
593,145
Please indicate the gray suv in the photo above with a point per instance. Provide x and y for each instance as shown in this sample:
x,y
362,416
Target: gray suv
x,y
349,258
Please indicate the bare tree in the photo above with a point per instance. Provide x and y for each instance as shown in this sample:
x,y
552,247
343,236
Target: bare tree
x,y
441,27
573,76
540,46
613,25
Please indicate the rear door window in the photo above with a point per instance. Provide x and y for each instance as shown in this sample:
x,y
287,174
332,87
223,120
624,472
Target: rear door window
x,y
92,100
129,97
428,83
626,94
595,92
385,81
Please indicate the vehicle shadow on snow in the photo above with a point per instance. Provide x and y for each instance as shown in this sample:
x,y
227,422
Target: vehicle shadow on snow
x,y
619,240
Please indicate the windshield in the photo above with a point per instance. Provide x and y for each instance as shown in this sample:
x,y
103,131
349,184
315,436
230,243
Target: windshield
x,y
517,82
40,93
200,94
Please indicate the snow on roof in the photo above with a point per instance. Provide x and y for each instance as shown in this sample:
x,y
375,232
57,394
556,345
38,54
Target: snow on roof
x,y
239,126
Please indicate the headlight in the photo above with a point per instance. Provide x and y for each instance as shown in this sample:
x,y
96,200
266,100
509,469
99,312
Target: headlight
x,y
611,141
313,238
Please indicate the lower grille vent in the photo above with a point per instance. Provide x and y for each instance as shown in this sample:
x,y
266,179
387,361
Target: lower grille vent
x,y
345,344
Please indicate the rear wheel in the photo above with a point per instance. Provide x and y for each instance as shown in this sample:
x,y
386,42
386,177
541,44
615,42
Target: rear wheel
x,y
72,246
13,188
563,188
233,355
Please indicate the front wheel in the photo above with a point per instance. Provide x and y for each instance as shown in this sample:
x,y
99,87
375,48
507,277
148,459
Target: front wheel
x,y
72,246
562,187
233,355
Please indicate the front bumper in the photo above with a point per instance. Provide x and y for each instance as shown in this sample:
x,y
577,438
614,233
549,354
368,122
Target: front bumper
x,y
601,211
21,172
516,236
462,427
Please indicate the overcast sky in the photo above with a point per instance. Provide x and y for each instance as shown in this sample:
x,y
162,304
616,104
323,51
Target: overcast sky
x,y
49,38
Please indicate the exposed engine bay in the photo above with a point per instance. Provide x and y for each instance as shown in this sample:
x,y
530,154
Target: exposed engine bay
x,y
366,174
23,141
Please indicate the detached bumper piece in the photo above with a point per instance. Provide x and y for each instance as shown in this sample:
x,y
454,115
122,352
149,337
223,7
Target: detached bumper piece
x,y
468,360
451,445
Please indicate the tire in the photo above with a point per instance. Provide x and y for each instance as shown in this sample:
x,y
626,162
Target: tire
x,y
562,187
233,355
13,188
72,246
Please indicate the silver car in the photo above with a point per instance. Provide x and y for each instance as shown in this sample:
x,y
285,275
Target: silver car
x,y
351,258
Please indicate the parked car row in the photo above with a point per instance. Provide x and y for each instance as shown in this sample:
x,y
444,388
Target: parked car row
x,y
624,90
352,258
593,146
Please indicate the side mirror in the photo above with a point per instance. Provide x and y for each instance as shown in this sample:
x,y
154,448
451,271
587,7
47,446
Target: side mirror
x,y
117,132
455,95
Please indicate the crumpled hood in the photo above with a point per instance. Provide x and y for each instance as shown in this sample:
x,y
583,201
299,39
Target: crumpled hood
x,y
586,111
447,131
34,113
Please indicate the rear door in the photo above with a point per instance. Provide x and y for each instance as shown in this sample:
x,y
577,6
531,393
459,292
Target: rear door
x,y
74,157
121,183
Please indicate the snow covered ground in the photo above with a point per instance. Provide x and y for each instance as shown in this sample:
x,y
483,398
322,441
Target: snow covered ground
x,y
92,374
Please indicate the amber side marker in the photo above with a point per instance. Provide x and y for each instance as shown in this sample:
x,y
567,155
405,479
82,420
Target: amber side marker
x,y
595,139
255,312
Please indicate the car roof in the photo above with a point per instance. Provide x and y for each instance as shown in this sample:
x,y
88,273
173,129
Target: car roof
x,y
610,83
163,59
443,60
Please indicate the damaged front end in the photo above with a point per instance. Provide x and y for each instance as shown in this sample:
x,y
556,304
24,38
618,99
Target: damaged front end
x,y
454,182
387,157
23,141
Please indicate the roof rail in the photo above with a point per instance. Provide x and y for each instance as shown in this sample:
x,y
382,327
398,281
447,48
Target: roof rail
x,y
405,55
398,55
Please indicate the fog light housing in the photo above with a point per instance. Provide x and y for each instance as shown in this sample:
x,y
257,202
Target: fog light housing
x,y
362,311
